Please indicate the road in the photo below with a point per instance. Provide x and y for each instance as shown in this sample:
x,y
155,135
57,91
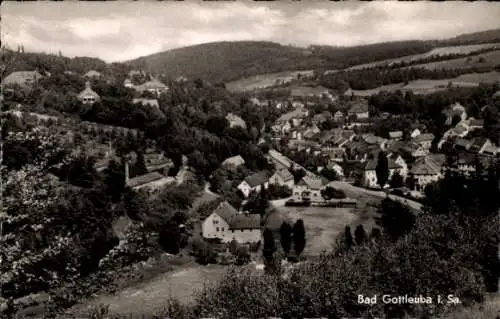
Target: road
x,y
351,188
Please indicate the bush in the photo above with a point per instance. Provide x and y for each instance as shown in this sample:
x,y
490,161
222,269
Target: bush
x,y
332,193
276,191
203,251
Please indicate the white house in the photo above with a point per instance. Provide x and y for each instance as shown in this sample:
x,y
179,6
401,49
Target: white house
x,y
254,182
234,120
128,83
425,171
88,96
308,188
233,162
399,160
154,86
416,132
226,224
282,177
369,176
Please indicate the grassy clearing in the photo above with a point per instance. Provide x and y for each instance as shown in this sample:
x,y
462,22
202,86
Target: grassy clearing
x,y
462,49
323,224
263,80
491,59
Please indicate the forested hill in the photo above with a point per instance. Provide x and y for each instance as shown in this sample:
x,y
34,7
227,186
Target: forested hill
x,y
227,61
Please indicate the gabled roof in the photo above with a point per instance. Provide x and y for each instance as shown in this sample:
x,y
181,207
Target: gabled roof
x,y
237,221
396,134
284,174
146,102
235,160
371,164
311,183
144,179
151,85
462,143
297,113
20,77
226,211
92,73
257,179
88,92
360,106
478,143
426,166
235,120
426,137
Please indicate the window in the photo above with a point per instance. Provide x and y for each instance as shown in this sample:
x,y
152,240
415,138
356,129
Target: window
x,y
222,229
217,228
232,230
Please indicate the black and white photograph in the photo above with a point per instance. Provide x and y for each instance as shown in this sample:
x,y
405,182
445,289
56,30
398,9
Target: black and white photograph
x,y
250,159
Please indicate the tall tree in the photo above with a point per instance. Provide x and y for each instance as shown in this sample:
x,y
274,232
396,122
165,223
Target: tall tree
x,y
286,237
396,219
348,237
360,235
382,169
170,238
299,237
268,250
140,165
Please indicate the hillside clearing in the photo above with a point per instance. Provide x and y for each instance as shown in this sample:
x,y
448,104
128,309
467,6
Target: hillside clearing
x,y
462,49
491,59
264,80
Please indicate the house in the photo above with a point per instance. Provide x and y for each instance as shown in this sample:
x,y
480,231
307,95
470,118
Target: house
x,y
483,146
359,110
416,132
297,114
333,165
234,120
308,91
372,139
233,162
461,144
226,224
151,181
154,86
92,74
147,102
22,78
475,124
399,160
424,140
466,163
157,162
338,116
369,175
396,135
128,83
308,188
88,96
321,118
424,171
253,183
282,177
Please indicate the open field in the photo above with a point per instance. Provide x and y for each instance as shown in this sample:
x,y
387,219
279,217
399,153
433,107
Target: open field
x,y
491,59
462,49
323,225
426,86
264,80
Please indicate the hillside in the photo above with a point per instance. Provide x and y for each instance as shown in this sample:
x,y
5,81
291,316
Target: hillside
x,y
229,61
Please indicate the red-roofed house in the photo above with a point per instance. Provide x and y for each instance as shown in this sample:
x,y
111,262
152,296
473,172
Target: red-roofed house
x,y
227,224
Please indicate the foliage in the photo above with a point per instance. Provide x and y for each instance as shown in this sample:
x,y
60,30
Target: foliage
x,y
286,237
396,180
349,241
276,191
360,235
299,236
203,252
382,169
396,219
332,193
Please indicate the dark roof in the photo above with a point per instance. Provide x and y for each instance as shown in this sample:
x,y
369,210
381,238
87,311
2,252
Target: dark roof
x,y
359,107
462,143
426,166
285,174
226,211
424,138
235,220
371,164
144,179
257,179
396,134
312,183
476,122
478,143
466,158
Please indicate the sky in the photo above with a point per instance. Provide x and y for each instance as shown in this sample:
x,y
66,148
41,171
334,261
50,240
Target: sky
x,y
123,30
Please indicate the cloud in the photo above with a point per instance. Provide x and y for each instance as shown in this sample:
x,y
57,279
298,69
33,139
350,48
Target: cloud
x,y
117,31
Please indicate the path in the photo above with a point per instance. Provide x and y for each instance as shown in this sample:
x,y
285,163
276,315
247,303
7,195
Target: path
x,y
351,188
148,297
